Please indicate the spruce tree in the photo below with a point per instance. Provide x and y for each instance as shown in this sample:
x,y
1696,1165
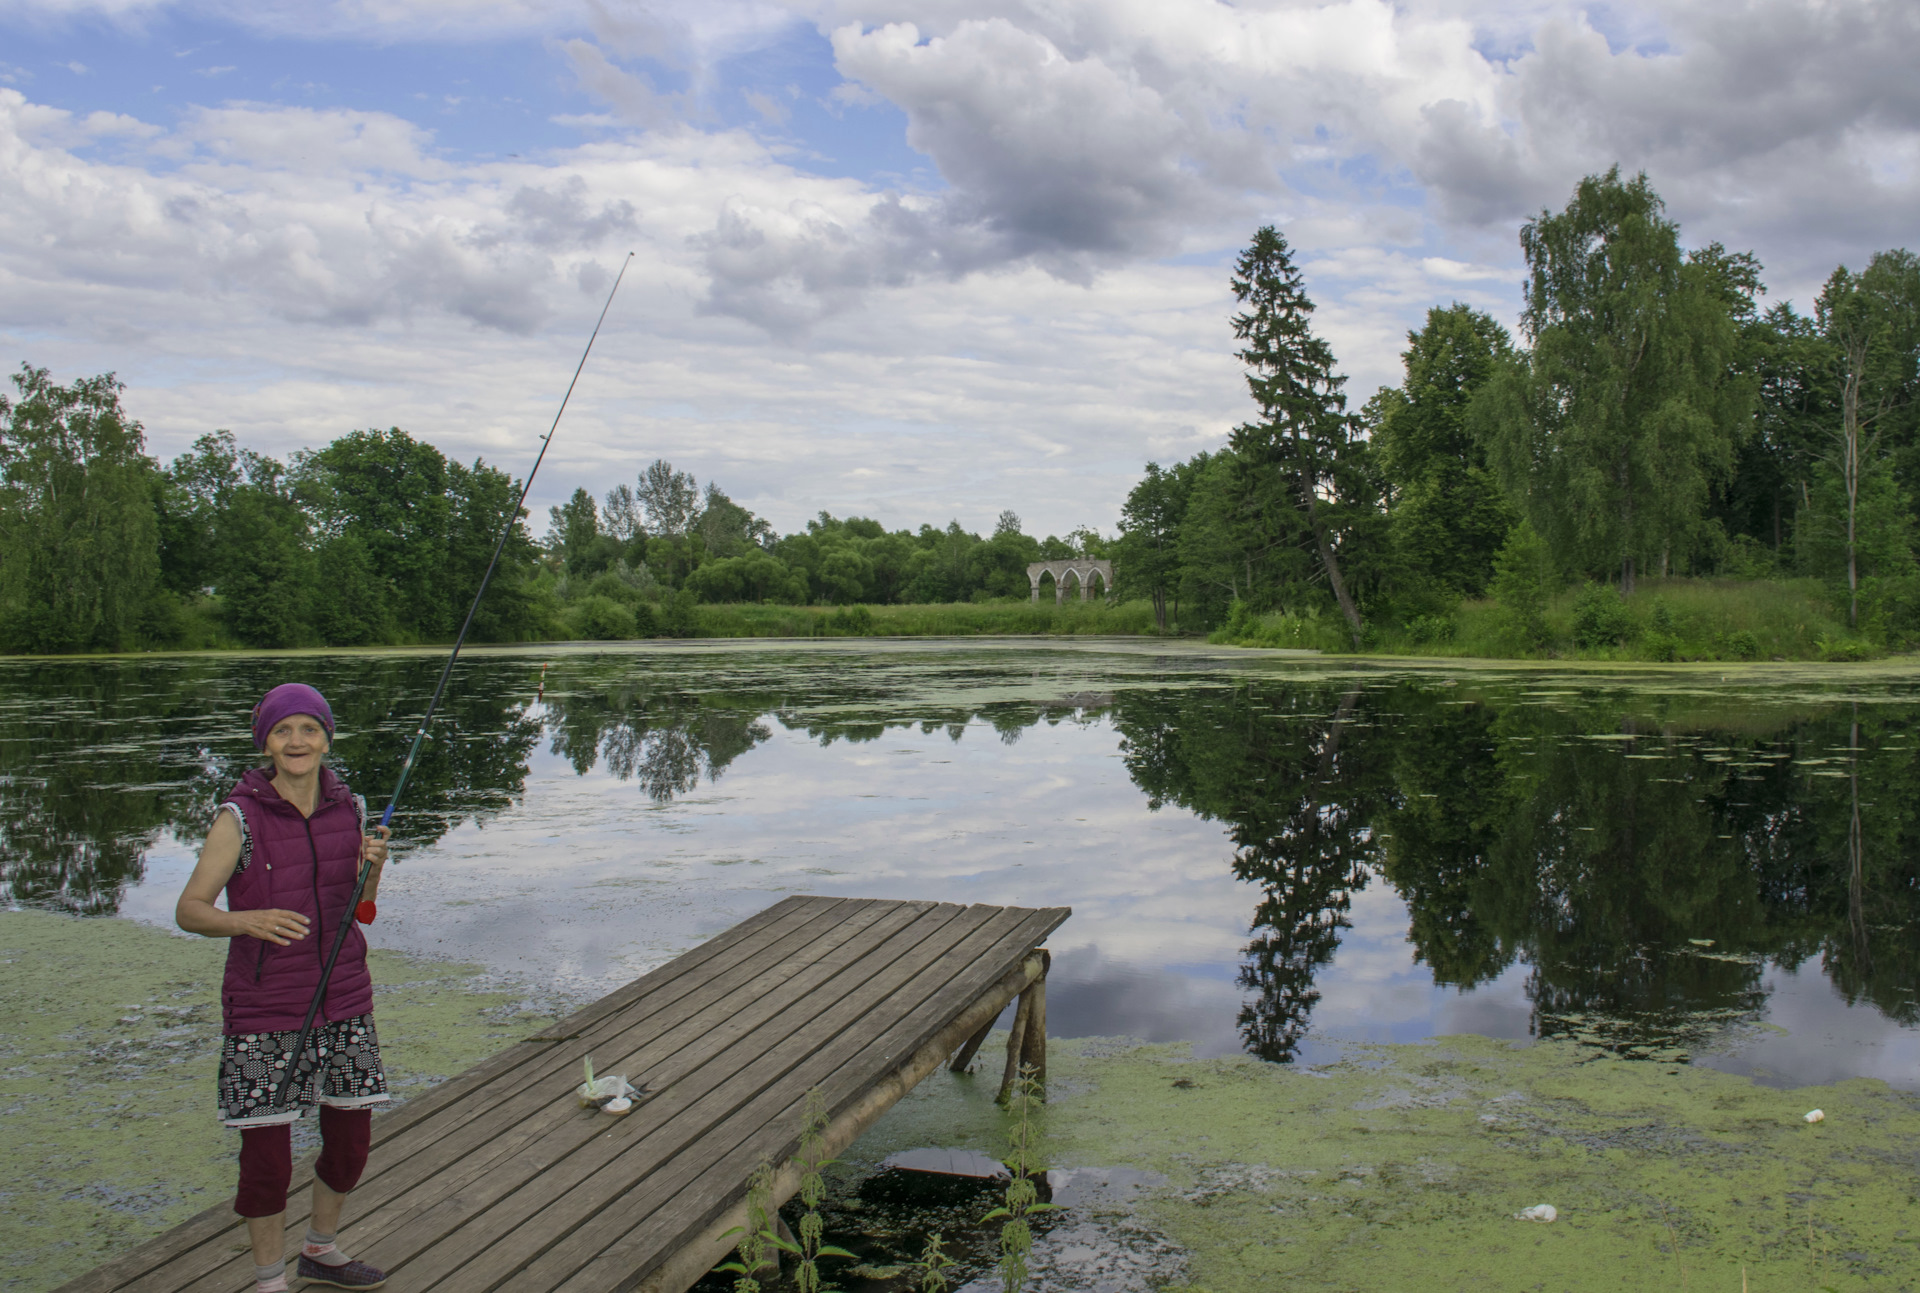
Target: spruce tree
x,y
1304,435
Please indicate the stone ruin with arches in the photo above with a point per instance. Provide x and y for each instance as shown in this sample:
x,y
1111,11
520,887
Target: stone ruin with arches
x,y
1082,570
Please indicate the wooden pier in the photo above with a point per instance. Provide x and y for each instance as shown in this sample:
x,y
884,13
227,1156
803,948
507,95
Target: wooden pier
x,y
498,1179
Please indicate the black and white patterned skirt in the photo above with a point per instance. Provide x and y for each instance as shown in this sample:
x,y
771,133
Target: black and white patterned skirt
x,y
341,1068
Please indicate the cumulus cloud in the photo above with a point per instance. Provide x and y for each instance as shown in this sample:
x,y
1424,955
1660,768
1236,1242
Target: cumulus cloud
x,y
1022,331
331,217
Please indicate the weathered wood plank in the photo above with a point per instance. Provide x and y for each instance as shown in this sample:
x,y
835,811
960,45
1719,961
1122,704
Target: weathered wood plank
x,y
537,1096
856,1044
497,1180
540,1113
217,1229
206,1270
684,1115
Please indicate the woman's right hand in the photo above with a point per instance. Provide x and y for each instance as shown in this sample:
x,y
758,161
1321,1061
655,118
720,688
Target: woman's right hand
x,y
271,926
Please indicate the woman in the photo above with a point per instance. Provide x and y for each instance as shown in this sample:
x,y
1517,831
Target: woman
x,y
287,846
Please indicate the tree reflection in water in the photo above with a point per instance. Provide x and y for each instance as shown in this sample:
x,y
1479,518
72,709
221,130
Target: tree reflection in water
x,y
1645,866
1645,856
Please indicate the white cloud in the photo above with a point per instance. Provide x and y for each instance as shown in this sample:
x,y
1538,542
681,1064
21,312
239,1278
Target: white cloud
x,y
1023,333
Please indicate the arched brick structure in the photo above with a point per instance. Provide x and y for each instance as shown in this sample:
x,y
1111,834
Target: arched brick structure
x,y
1080,568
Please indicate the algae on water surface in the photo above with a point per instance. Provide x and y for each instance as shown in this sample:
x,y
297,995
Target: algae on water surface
x,y
107,1067
1401,1167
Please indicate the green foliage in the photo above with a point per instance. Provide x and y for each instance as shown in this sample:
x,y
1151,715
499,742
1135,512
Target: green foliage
x,y
1743,645
1449,514
758,1247
1613,429
1521,585
1147,555
854,621
813,1157
79,537
1303,455
1022,1198
929,1270
1430,630
1600,618
679,615
601,619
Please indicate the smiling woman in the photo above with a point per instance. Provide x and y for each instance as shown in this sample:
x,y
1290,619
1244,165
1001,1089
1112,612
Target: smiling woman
x,y
287,847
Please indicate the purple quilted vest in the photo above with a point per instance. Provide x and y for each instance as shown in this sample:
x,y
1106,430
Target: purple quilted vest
x,y
303,864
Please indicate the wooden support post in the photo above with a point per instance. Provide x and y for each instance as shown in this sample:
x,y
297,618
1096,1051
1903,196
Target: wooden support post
x,y
1033,1048
965,1055
1016,1045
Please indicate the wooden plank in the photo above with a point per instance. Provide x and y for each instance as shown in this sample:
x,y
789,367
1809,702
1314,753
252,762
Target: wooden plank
x,y
675,1184
497,1180
216,1222
540,1099
675,1203
544,1111
211,1224
618,1161
401,1153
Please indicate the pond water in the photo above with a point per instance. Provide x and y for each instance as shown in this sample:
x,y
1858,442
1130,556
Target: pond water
x,y
1263,854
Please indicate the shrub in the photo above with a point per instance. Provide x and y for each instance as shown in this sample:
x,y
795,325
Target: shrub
x,y
601,619
1520,585
1662,619
854,621
1845,649
1600,618
1743,645
1660,646
678,617
1430,630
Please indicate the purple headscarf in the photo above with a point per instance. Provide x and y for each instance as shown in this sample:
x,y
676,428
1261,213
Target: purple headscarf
x,y
284,701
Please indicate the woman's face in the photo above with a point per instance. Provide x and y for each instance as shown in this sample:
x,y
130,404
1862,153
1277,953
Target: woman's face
x,y
296,745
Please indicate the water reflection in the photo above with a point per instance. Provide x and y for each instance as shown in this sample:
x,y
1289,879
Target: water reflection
x,y
1645,860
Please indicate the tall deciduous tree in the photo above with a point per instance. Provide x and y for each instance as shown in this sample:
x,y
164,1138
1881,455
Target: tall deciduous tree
x,y
1629,405
1872,321
1449,514
79,544
1148,552
1304,434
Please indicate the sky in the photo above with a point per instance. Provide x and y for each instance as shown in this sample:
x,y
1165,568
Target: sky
x,y
918,260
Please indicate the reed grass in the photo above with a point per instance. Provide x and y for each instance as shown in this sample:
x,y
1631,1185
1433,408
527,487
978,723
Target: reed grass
x,y
1665,619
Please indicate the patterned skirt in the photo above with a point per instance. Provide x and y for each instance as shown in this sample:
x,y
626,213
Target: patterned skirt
x,y
341,1068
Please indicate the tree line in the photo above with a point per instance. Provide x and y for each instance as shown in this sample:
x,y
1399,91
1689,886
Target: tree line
x,y
1651,420
379,538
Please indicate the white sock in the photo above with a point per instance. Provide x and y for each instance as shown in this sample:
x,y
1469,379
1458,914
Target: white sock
x,y
322,1249
270,1279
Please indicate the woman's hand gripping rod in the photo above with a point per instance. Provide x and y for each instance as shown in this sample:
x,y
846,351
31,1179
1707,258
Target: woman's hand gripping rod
x,y
298,1063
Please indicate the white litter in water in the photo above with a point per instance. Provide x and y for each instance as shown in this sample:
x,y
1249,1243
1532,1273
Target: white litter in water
x,y
1816,1115
1538,1212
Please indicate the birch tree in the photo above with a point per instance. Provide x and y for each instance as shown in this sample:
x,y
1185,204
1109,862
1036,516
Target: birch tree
x,y
1872,321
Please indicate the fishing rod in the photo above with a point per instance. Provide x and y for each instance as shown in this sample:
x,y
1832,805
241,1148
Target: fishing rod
x,y
420,734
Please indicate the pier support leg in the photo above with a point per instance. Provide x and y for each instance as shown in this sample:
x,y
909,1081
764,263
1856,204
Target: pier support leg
x,y
1033,1049
1016,1045
1027,1045
966,1053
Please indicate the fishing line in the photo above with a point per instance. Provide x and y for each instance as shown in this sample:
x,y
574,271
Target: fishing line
x,y
420,734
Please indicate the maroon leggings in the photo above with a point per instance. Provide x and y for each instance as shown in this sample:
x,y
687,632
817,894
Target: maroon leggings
x,y
266,1159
